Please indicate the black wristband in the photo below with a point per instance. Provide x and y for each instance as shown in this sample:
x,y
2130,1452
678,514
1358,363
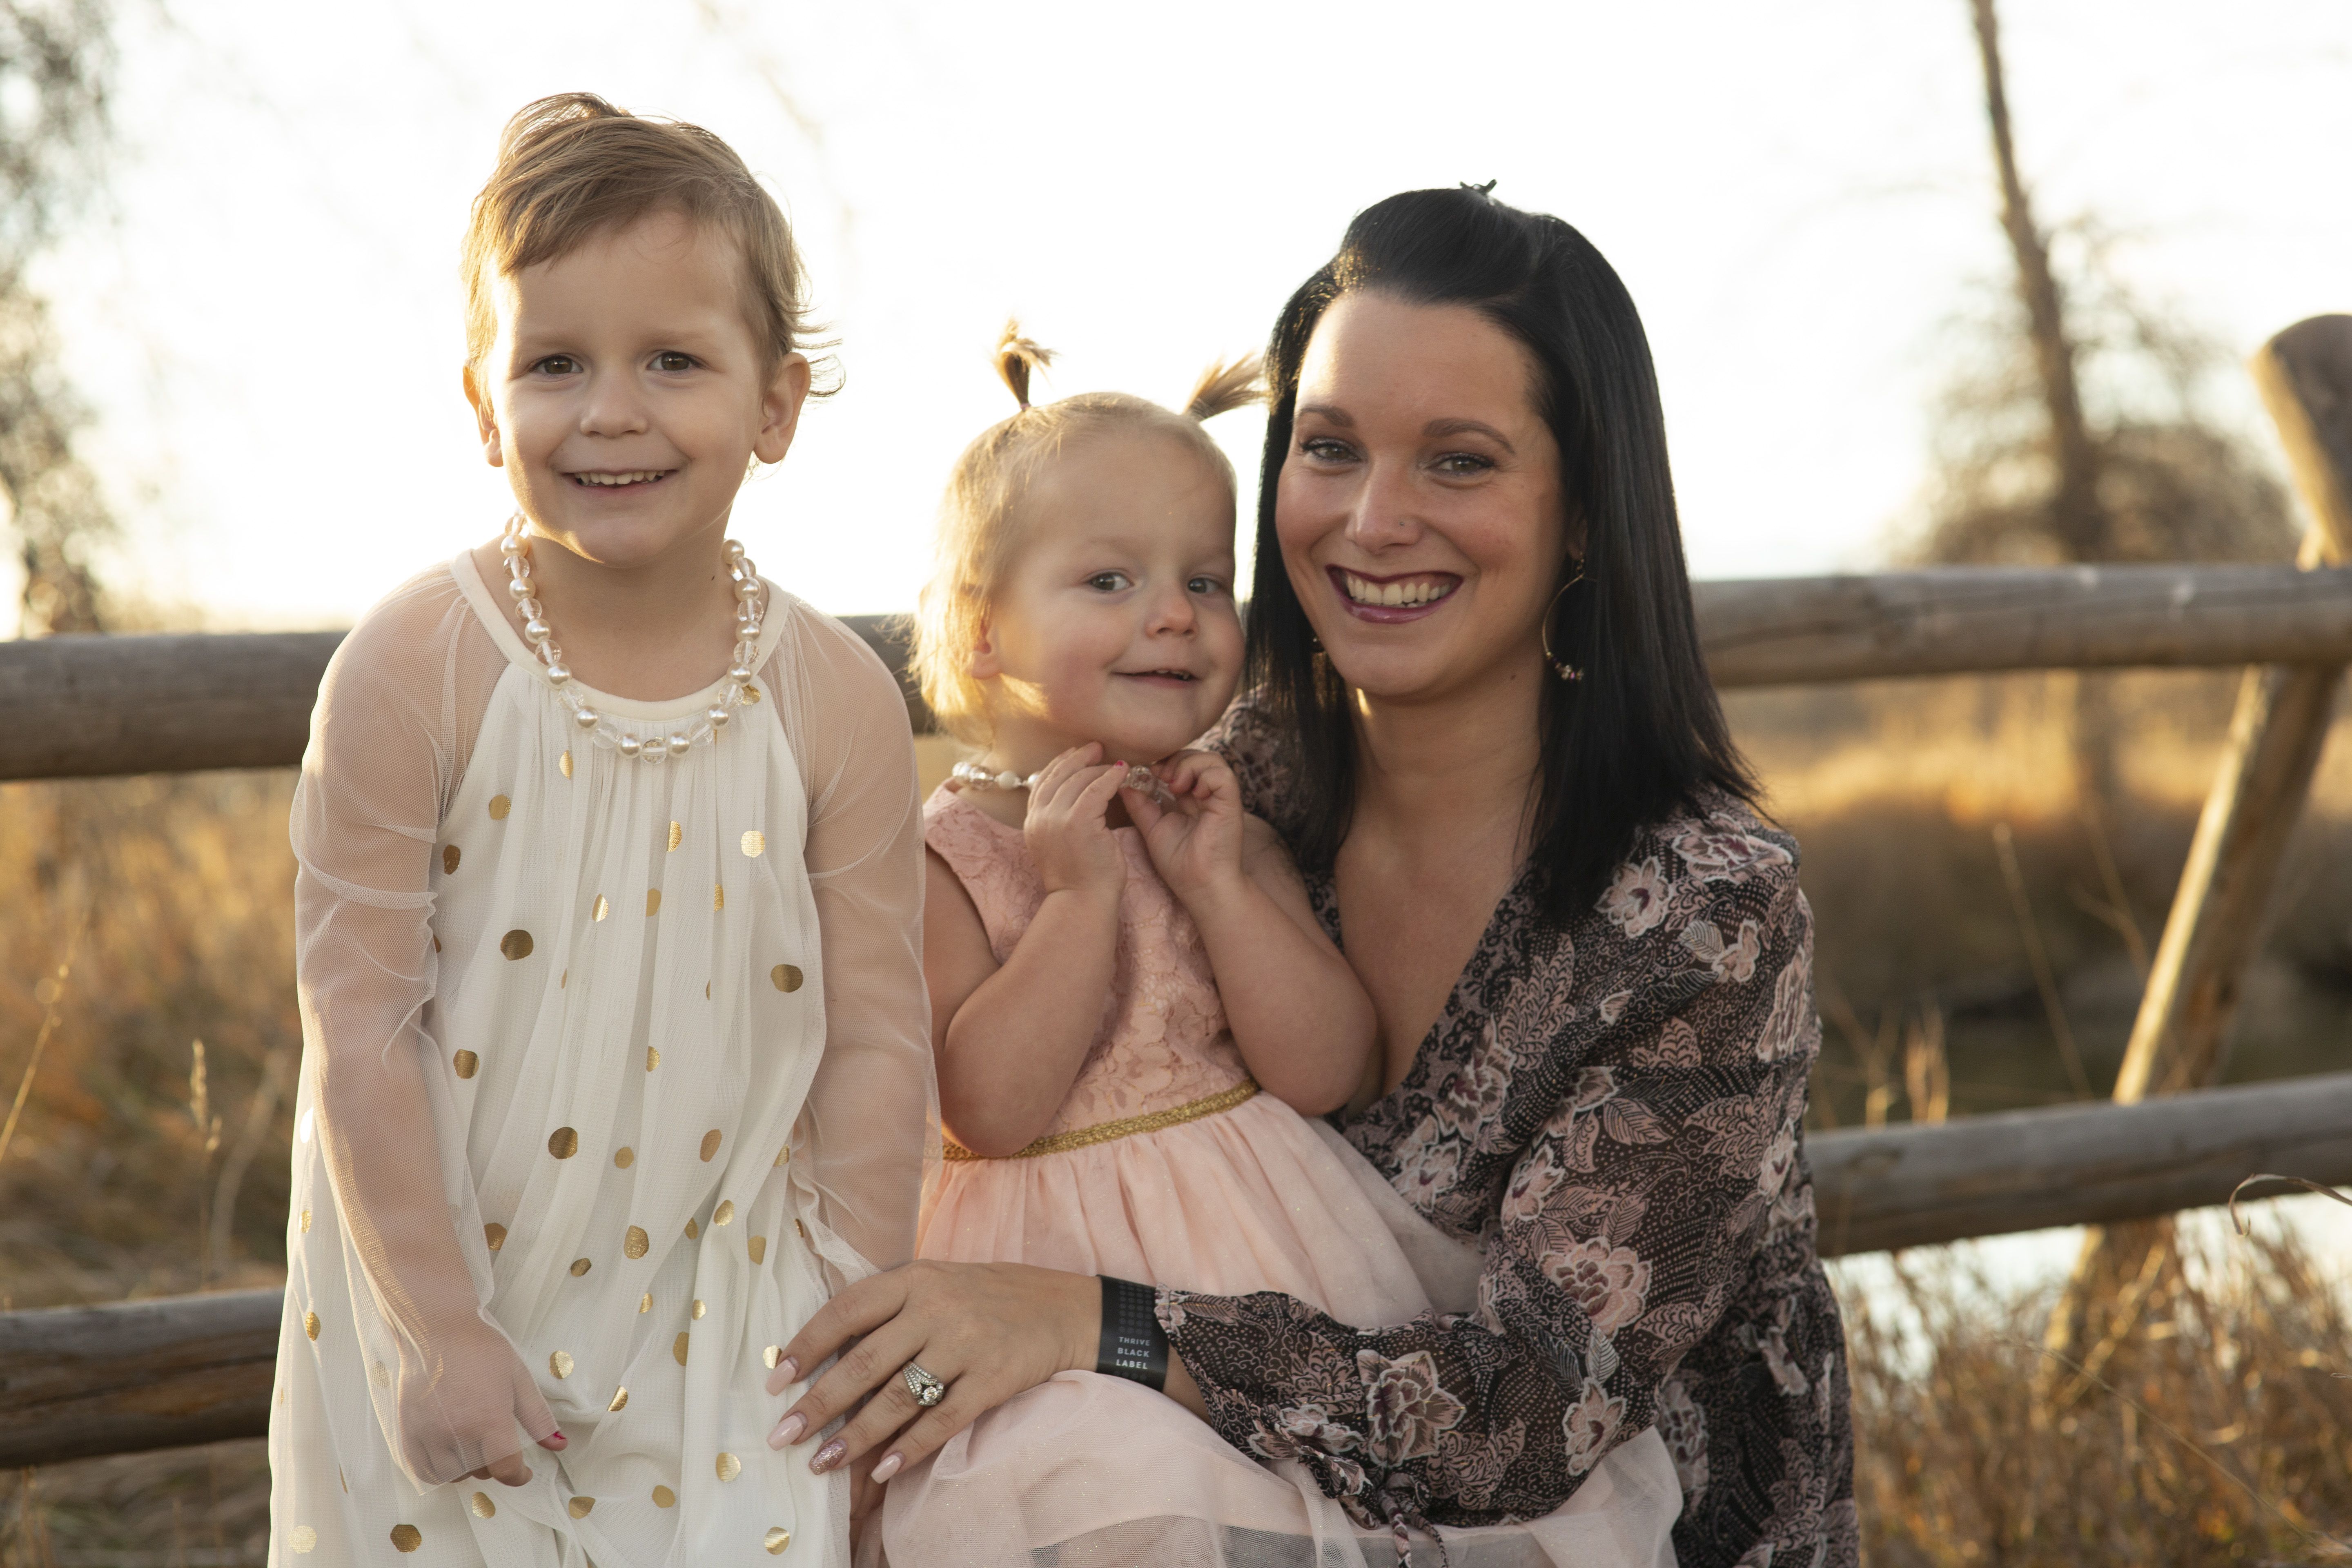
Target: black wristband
x,y
1133,1343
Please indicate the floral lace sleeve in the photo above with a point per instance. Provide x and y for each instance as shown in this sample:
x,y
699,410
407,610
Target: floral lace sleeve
x,y
1615,1116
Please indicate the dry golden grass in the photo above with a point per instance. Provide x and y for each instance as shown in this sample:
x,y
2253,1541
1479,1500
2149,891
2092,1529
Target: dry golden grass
x,y
2223,1435
115,1182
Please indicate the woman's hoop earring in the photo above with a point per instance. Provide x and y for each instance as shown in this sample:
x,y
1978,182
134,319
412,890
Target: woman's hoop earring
x,y
1560,665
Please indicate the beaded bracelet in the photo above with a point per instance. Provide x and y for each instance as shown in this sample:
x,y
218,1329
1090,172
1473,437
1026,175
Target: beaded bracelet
x,y
1133,1343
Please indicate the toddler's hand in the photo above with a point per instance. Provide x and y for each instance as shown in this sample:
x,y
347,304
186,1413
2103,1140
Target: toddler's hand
x,y
1067,830
1196,840
466,1407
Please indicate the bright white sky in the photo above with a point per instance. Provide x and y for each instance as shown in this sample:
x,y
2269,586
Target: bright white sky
x,y
265,313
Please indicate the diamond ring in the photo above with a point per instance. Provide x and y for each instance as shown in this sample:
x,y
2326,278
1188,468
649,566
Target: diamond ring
x,y
928,1390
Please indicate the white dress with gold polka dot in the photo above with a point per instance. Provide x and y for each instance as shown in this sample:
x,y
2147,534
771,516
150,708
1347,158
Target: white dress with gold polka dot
x,y
614,1070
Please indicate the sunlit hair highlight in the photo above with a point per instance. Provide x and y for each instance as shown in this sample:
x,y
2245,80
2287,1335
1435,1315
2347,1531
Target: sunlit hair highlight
x,y
573,168
981,524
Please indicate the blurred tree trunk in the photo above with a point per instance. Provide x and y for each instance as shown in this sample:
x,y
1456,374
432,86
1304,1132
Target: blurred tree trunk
x,y
2078,521
55,59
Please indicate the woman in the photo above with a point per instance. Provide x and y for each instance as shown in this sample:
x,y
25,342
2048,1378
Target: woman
x,y
1481,718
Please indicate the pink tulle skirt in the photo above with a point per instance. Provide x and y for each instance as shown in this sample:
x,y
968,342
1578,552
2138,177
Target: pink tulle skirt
x,y
1086,1471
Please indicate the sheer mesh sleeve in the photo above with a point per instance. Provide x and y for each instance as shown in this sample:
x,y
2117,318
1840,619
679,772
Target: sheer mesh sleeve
x,y
395,722
872,1116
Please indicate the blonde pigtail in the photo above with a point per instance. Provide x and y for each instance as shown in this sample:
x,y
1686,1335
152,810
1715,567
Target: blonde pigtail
x,y
1227,384
1016,357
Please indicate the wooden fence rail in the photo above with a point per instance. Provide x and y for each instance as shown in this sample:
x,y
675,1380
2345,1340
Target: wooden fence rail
x,y
196,1369
90,707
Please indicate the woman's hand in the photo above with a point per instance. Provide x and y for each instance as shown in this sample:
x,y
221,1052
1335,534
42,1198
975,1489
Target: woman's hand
x,y
458,1418
1195,843
1069,829
988,1330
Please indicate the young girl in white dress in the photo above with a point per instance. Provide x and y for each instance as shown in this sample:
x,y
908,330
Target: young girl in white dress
x,y
1135,1012
610,874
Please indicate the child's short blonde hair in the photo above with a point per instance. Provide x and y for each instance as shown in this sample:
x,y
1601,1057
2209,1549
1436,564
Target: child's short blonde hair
x,y
980,532
573,167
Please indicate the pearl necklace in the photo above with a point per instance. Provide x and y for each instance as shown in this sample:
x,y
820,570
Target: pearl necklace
x,y
602,728
1140,778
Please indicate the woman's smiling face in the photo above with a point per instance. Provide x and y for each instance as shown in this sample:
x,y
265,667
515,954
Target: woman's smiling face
x,y
1420,507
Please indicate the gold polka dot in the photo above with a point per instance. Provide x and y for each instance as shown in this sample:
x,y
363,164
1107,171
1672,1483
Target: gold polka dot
x,y
580,1506
436,943
698,1310
306,1539
603,907
653,901
515,944
560,1364
466,1064
801,1228
310,1324
635,1242
619,1399
449,858
717,895
564,981
755,843
665,1497
482,1506
676,834
710,1140
644,1303
706,991
725,1214
750,692
777,1538
380,1375
693,1228
407,1537
342,1480
771,1355
677,1348
786,976
728,1466
758,1247
564,763
653,1058
496,1234
499,807
581,1266
563,1142
306,1221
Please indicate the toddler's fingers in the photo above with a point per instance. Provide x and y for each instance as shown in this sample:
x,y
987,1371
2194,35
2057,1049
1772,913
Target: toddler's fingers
x,y
1051,777
510,1471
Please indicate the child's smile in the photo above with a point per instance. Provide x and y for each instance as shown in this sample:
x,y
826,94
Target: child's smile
x,y
1117,621
627,390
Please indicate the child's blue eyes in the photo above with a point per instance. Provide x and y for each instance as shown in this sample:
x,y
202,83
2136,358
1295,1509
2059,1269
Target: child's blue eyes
x,y
670,361
1114,581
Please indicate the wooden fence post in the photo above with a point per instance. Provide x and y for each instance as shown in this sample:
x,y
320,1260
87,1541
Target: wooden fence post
x,y
2179,1038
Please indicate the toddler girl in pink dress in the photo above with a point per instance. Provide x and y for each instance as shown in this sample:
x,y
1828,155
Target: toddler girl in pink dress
x,y
1135,1011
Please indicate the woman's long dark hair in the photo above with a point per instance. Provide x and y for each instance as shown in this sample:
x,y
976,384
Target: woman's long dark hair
x,y
1641,733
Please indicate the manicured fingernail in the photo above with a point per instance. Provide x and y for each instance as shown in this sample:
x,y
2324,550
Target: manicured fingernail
x,y
789,1369
890,1466
828,1455
788,1431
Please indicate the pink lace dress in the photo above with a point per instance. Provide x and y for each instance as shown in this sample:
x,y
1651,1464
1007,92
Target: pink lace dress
x,y
1165,1165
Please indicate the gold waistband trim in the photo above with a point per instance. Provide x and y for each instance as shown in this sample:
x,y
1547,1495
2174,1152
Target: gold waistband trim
x,y
1126,1127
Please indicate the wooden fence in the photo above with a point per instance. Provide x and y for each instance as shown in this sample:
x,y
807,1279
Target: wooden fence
x,y
197,1369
